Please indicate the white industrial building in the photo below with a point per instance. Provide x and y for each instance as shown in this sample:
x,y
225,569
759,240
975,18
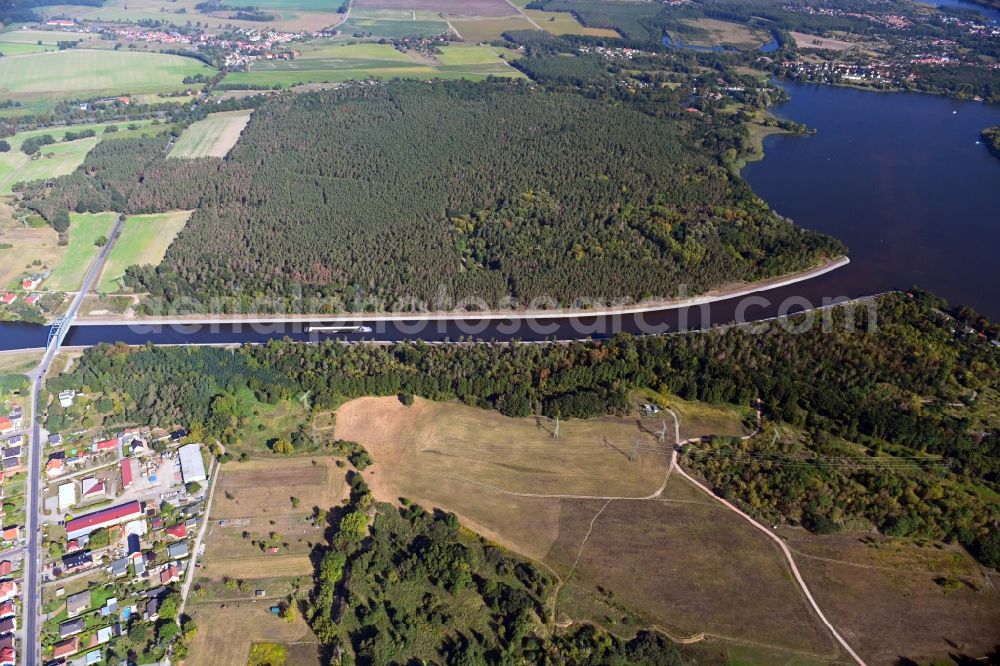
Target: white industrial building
x,y
67,496
192,466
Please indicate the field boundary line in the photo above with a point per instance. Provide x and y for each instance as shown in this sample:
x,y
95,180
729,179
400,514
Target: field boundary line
x,y
784,549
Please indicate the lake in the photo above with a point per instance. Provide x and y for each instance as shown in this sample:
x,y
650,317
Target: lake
x,y
901,179
988,12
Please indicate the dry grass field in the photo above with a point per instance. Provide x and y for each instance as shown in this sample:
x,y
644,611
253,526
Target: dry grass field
x,y
28,244
806,41
484,30
725,33
225,634
690,566
255,497
895,600
429,442
213,136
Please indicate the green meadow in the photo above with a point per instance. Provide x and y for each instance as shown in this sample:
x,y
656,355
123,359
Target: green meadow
x,y
56,159
143,241
84,229
85,72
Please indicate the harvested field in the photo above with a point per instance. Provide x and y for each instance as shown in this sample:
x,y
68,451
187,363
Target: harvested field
x,y
466,8
264,566
213,136
724,33
897,601
262,488
217,644
484,30
806,41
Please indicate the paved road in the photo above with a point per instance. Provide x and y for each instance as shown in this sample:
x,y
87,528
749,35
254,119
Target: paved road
x,y
31,594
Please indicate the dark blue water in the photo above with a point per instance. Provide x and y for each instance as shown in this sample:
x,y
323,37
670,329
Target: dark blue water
x,y
988,12
901,179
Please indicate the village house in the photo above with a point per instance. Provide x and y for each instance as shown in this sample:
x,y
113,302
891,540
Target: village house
x,y
6,566
77,603
8,609
12,533
8,590
66,647
8,298
177,550
8,625
178,531
71,627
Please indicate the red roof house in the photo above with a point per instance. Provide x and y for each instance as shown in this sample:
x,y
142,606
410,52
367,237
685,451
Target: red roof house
x,y
7,608
6,567
107,444
169,575
11,533
8,298
7,655
126,472
178,531
66,647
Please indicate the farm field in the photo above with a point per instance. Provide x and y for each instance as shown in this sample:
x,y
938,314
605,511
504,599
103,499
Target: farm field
x,y
179,12
467,8
335,63
564,23
724,33
805,41
212,136
392,28
84,229
21,42
83,72
56,159
484,30
893,598
27,244
254,497
218,643
143,241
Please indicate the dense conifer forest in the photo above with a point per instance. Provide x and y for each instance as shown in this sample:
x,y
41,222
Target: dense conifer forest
x,y
912,388
475,190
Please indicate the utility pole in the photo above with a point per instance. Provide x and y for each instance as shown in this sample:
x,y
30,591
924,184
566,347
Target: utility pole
x,y
555,435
